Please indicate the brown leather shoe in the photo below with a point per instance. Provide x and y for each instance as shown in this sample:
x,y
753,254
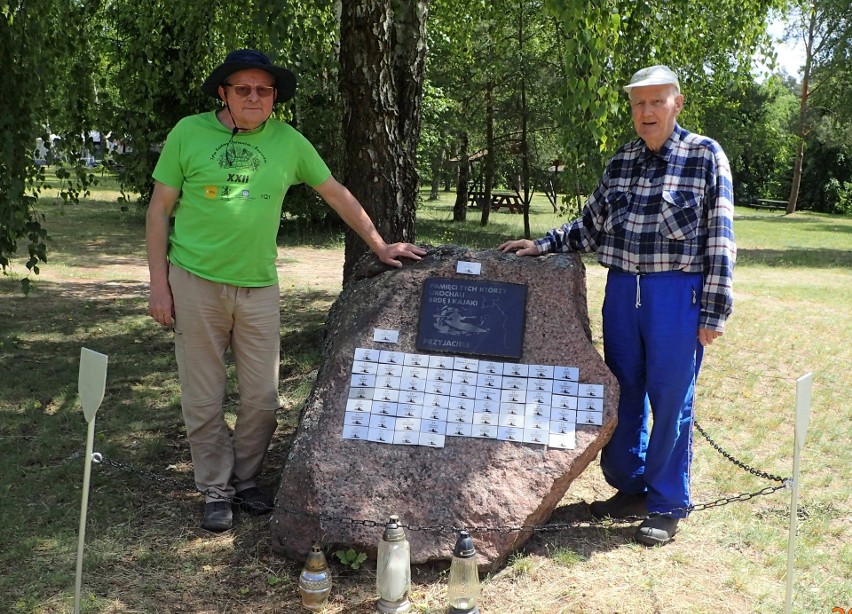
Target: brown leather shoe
x,y
656,530
621,505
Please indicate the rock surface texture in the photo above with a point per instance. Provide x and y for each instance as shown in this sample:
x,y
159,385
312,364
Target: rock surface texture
x,y
340,492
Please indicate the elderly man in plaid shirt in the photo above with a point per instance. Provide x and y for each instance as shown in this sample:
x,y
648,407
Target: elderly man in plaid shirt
x,y
661,221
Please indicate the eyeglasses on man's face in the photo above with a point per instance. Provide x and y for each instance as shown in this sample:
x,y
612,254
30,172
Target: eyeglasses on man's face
x,y
244,91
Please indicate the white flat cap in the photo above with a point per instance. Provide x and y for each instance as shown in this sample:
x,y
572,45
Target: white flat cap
x,y
653,75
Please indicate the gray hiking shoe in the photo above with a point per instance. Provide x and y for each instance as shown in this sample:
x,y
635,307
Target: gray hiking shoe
x,y
656,530
218,516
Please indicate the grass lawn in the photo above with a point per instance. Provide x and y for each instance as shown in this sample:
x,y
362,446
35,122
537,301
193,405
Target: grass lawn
x,y
146,553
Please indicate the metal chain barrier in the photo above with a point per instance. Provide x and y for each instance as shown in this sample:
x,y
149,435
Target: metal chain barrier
x,y
785,483
738,463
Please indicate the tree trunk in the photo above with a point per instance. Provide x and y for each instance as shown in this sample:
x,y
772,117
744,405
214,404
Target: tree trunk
x,y
460,206
382,54
525,148
489,155
437,168
803,116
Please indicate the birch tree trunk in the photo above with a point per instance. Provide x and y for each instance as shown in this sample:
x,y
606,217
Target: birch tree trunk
x,y
489,157
801,132
382,58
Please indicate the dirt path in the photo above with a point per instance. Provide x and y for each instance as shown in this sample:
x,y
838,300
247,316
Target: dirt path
x,y
298,267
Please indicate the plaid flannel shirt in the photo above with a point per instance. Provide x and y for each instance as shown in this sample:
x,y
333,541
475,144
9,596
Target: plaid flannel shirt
x,y
667,211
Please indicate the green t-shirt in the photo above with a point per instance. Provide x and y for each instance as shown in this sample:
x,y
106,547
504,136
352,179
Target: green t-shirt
x,y
227,216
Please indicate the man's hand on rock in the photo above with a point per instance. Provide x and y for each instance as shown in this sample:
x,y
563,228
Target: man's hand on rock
x,y
521,247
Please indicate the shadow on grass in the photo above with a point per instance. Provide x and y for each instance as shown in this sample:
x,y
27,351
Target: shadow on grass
x,y
43,435
583,541
468,233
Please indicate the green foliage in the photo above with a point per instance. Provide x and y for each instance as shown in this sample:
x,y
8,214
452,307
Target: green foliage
x,y
40,38
840,195
511,48
351,558
157,55
752,123
607,40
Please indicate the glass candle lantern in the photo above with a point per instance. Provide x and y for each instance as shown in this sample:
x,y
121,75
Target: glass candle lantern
x,y
393,570
315,581
463,589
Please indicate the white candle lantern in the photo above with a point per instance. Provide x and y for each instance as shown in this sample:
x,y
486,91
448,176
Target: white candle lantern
x,y
393,570
463,589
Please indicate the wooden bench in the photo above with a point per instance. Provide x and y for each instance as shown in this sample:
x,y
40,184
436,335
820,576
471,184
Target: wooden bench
x,y
768,203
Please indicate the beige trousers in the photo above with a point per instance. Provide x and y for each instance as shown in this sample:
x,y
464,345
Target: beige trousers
x,y
210,317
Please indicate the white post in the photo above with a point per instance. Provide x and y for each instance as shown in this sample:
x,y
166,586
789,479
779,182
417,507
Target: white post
x,y
804,388
92,385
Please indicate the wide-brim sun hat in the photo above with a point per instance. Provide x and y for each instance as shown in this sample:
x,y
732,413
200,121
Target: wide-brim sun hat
x,y
653,75
244,59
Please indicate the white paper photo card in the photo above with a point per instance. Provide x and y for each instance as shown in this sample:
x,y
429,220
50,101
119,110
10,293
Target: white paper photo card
x,y
428,398
404,410
459,429
416,360
387,423
481,418
354,418
362,367
384,368
489,367
359,405
380,436
435,413
367,354
590,417
407,438
436,427
541,371
391,357
355,432
570,374
383,408
385,394
591,390
360,380
566,441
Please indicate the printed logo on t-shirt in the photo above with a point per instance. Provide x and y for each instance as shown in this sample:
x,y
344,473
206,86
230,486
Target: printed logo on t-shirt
x,y
210,191
238,157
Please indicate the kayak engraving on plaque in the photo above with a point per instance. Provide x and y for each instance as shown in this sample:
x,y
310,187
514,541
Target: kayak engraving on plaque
x,y
472,317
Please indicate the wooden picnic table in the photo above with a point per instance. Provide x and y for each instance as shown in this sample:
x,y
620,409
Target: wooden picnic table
x,y
511,200
768,203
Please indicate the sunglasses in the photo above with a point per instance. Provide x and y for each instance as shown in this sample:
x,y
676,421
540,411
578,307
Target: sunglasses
x,y
244,91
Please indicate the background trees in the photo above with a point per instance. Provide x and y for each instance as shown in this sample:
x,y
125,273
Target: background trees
x,y
511,86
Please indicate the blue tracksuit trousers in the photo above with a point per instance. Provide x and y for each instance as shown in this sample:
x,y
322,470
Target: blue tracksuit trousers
x,y
650,332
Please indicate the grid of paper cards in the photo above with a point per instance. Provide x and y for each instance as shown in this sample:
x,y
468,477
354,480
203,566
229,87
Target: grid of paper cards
x,y
419,399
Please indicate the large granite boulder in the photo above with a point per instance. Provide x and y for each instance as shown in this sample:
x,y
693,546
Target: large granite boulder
x,y
340,491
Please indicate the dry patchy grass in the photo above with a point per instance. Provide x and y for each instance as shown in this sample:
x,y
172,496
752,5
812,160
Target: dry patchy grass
x,y
145,552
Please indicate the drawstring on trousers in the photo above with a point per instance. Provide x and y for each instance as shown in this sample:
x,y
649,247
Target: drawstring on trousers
x,y
226,289
638,293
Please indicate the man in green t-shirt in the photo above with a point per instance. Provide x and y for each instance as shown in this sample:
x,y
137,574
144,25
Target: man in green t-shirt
x,y
223,175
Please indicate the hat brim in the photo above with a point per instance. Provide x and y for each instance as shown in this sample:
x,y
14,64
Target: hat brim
x,y
285,81
651,81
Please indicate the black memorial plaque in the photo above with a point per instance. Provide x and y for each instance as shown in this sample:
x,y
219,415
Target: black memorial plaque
x,y
472,317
